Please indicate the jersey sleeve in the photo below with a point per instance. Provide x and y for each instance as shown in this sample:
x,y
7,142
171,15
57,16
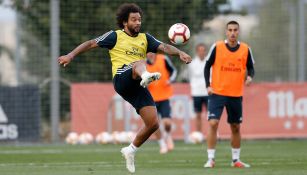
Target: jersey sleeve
x,y
107,40
250,63
153,43
171,69
210,61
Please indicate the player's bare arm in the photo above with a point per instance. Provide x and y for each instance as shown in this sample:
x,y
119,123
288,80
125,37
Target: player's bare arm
x,y
87,45
171,50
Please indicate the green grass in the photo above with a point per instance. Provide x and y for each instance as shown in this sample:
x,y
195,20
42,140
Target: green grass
x,y
267,157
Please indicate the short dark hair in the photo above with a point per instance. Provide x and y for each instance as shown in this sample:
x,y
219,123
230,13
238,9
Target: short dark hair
x,y
123,12
232,22
201,45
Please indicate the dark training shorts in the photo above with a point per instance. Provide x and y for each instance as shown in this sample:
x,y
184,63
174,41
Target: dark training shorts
x,y
130,89
198,102
164,108
233,105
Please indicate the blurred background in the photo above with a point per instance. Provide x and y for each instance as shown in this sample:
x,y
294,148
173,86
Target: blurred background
x,y
36,94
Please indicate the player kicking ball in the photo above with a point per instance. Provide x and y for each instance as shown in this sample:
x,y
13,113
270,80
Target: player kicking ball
x,y
127,48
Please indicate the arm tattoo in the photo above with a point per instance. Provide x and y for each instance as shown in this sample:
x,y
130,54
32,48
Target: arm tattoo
x,y
168,49
163,47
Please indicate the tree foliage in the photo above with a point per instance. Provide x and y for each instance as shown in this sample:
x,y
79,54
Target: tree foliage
x,y
81,20
270,41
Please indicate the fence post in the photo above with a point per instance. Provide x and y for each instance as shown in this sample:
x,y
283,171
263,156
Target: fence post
x,y
55,83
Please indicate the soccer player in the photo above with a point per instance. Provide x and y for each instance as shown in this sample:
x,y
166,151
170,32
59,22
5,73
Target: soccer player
x,y
197,83
127,49
231,62
161,91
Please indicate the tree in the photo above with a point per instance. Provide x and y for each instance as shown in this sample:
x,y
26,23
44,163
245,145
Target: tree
x,y
81,20
270,41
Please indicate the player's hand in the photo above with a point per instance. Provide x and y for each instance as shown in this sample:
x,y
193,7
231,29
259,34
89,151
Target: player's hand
x,y
248,80
65,60
185,57
170,82
209,90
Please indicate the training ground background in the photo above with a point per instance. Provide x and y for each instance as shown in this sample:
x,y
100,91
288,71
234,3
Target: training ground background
x,y
272,157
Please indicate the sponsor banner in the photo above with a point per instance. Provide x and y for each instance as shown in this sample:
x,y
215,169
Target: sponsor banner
x,y
19,113
269,111
90,103
275,110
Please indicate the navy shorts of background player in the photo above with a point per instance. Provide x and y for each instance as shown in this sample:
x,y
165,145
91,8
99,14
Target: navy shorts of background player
x,y
198,102
233,107
164,108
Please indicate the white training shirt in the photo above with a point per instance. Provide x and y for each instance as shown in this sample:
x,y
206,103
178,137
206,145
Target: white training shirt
x,y
197,78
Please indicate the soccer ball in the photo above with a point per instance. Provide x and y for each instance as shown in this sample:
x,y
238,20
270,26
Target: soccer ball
x,y
85,138
126,137
130,136
179,33
72,138
104,138
122,137
116,137
196,137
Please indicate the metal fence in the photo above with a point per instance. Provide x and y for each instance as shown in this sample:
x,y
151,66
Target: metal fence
x,y
37,31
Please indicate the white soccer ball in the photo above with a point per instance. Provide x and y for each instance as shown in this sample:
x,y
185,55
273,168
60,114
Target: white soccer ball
x,y
116,137
196,137
123,137
130,136
179,33
126,136
85,138
72,138
104,138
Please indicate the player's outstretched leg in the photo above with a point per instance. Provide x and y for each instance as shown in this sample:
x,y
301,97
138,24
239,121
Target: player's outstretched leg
x,y
151,124
148,77
139,71
129,153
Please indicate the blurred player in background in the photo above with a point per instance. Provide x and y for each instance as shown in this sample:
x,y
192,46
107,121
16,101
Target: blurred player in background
x,y
161,91
127,49
231,62
198,84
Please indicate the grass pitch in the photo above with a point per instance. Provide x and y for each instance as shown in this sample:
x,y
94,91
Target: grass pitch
x,y
267,157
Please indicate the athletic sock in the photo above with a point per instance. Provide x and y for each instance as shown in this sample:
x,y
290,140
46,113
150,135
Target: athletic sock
x,y
167,135
144,74
235,154
211,154
133,148
162,143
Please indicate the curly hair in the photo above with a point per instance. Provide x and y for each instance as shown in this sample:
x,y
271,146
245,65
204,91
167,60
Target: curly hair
x,y
123,12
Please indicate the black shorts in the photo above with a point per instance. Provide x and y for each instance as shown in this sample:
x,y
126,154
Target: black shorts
x,y
130,89
164,108
216,104
198,102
